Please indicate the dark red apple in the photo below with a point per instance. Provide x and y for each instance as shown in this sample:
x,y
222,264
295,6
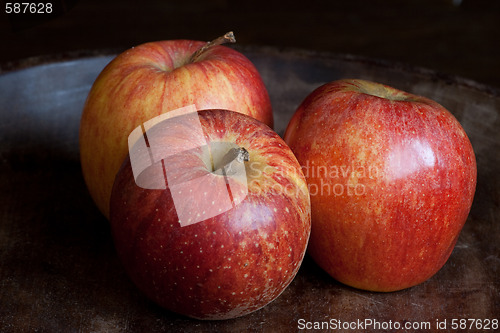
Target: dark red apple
x,y
392,178
210,214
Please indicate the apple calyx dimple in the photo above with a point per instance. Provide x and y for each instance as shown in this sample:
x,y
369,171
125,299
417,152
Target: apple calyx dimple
x,y
383,91
226,38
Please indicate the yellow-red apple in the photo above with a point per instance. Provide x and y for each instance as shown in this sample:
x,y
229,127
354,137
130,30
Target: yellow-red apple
x,y
154,78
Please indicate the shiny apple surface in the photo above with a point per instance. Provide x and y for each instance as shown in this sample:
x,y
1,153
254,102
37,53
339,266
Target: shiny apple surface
x,y
392,178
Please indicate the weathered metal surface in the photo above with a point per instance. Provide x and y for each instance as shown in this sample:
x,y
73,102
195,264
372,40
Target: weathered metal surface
x,y
58,268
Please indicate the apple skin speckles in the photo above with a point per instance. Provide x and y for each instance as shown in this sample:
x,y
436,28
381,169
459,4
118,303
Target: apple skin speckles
x,y
230,264
392,178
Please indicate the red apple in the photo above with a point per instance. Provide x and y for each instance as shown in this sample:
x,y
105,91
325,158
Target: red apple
x,y
154,78
391,177
211,217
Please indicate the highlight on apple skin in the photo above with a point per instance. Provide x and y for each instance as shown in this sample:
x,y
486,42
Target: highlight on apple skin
x,y
392,178
240,257
151,79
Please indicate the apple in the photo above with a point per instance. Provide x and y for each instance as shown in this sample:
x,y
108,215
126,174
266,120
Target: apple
x,y
392,178
211,214
154,78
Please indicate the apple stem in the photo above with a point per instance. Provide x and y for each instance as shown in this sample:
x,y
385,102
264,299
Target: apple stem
x,y
227,38
234,155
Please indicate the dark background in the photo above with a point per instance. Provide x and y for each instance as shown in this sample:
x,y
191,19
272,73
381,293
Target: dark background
x,y
451,36
58,268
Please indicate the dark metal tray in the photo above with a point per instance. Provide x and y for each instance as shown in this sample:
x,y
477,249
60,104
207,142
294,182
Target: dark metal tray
x,y
58,268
